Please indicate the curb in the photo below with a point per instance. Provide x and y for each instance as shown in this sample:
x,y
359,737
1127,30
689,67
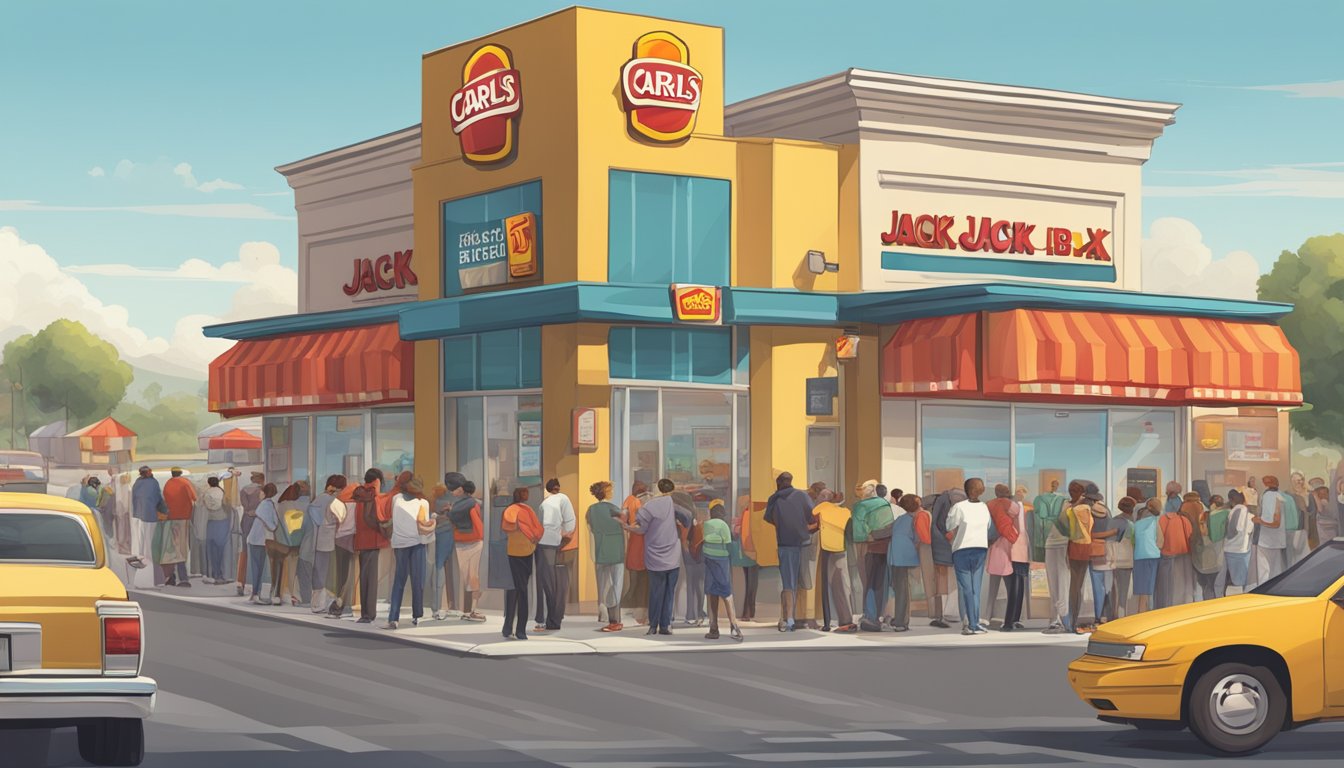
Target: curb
x,y
609,645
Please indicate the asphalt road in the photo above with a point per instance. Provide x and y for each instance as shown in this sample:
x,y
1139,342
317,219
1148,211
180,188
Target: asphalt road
x,y
244,691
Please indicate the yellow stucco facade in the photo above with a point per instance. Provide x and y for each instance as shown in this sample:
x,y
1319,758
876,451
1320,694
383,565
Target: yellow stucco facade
x,y
788,197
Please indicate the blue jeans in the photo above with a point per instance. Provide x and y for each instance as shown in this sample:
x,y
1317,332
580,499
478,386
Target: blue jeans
x,y
442,554
256,566
410,563
216,540
662,590
970,566
790,565
1101,587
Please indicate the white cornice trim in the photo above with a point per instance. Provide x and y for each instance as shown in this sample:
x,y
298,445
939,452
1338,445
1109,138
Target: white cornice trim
x,y
387,143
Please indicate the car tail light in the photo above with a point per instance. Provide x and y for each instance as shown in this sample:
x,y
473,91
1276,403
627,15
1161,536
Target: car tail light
x,y
122,637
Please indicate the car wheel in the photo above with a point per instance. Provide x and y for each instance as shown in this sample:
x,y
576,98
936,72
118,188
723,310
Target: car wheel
x,y
112,741
1237,708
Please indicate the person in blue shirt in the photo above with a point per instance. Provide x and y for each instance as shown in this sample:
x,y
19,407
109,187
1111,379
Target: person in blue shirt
x,y
146,503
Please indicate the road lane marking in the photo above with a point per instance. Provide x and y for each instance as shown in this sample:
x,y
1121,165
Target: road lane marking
x,y
195,714
835,737
824,758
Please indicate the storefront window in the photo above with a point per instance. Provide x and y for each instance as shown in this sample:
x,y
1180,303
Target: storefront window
x,y
963,441
1227,450
684,435
475,252
495,442
691,355
286,442
495,360
1059,445
743,448
1143,451
666,229
339,445
394,441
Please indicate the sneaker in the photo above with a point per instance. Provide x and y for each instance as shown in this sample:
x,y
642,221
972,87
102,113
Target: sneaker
x,y
1006,628
783,625
939,623
240,590
612,628
1056,629
984,624
390,625
277,601
848,629
183,584
362,620
474,616
441,616
967,631
981,631
868,626
253,600
664,631
900,629
826,628
1019,625
712,634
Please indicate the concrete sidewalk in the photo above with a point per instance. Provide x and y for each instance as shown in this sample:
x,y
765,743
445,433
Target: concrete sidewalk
x,y
581,633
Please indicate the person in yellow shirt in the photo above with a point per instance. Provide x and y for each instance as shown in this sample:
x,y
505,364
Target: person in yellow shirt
x,y
834,533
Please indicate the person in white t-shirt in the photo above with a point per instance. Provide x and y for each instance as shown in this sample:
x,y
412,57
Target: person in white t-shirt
x,y
1237,550
410,521
968,529
1273,544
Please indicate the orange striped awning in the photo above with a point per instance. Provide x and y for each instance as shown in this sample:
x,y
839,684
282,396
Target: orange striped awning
x,y
933,355
352,367
1094,356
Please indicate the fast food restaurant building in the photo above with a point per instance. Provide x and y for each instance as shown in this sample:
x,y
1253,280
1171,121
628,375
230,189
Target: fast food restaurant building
x,y
582,265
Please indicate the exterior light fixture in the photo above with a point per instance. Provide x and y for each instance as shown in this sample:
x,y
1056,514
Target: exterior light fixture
x,y
817,263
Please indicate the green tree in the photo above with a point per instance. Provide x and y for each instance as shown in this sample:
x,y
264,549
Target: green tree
x,y
1312,280
169,427
153,394
65,368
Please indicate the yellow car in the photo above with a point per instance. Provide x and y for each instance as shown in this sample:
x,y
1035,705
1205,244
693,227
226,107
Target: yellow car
x,y
1236,670
71,644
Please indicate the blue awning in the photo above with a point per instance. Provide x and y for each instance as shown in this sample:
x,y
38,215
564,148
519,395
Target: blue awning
x,y
625,303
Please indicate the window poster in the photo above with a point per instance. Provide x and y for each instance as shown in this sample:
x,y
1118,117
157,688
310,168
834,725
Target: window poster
x,y
529,448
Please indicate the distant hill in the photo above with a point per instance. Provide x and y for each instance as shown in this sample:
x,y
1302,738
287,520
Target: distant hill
x,y
172,385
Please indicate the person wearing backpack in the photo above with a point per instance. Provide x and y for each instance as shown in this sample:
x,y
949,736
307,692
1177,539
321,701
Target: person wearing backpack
x,y
468,544
940,548
1175,574
1004,511
1076,522
1053,545
370,540
1207,547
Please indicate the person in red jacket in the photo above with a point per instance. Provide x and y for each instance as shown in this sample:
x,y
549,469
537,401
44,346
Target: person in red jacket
x,y
370,540
1005,512
179,496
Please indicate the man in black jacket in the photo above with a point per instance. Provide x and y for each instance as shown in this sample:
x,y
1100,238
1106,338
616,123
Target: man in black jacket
x,y
789,510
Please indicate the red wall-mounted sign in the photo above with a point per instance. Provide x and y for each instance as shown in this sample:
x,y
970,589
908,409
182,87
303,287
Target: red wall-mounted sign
x,y
484,111
661,89
382,274
986,234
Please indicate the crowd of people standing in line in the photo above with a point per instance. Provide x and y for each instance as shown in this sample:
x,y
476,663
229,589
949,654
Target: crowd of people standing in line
x,y
334,549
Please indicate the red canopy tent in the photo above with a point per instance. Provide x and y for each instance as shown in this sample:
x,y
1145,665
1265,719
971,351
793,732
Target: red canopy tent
x,y
235,440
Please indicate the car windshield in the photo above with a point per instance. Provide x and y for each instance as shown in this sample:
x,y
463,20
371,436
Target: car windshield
x,y
34,536
1311,576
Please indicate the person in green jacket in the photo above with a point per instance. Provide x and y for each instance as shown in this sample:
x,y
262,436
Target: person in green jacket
x,y
716,553
604,521
872,513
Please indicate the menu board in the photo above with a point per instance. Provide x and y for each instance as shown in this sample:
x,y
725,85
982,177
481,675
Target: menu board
x,y
1146,479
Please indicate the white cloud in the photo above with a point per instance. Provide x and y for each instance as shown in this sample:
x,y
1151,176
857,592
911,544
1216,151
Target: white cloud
x,y
1318,180
1329,89
1176,261
97,171
190,210
37,291
183,171
272,194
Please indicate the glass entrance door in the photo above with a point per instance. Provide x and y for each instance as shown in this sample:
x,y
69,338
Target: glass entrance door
x,y
684,435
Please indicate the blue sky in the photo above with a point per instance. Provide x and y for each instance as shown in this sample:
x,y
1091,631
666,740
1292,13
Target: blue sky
x,y
232,90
